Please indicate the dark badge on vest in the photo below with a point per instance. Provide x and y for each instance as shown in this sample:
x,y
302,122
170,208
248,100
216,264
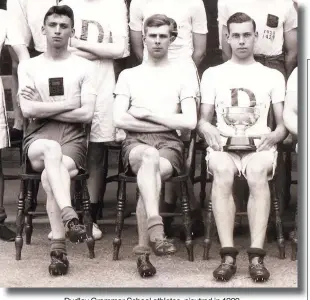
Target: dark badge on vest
x,y
56,86
272,21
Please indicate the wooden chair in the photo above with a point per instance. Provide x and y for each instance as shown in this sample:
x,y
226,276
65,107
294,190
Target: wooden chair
x,y
27,203
123,179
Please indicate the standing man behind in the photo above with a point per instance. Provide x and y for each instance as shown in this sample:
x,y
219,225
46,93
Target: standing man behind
x,y
277,23
152,101
57,89
101,36
243,82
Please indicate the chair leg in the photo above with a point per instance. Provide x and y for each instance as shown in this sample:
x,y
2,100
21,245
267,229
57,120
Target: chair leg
x,y
29,205
87,220
20,220
187,220
278,221
208,232
288,179
104,183
295,237
203,179
120,208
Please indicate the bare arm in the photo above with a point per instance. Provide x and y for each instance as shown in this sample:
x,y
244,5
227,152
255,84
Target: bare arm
x,y
137,44
185,120
35,109
291,50
290,112
280,131
200,46
84,54
122,119
208,132
110,50
83,114
21,52
226,50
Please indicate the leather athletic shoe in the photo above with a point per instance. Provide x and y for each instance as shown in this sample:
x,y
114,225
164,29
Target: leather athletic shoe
x,y
145,268
163,247
75,231
59,263
258,271
226,269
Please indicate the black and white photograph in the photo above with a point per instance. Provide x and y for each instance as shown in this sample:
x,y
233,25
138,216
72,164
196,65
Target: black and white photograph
x,y
149,144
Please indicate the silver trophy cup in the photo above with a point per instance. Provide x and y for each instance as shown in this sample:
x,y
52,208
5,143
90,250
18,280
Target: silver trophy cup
x,y
240,118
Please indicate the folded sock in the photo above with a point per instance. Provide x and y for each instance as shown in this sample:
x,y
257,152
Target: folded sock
x,y
58,245
68,213
155,228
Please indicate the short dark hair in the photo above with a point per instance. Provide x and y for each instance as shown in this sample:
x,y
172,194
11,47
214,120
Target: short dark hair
x,y
239,18
62,10
158,20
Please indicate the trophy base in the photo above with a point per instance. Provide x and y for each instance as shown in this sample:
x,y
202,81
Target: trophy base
x,y
238,143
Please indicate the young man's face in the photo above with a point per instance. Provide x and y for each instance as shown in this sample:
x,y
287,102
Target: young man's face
x,y
242,39
58,29
157,41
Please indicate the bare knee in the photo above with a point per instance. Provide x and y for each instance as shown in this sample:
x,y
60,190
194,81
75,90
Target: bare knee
x,y
256,172
150,156
223,172
52,150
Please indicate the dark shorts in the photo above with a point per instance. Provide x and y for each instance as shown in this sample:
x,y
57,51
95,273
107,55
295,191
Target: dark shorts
x,y
71,137
168,145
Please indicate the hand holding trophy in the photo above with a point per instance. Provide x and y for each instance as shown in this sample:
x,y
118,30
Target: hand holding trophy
x,y
240,118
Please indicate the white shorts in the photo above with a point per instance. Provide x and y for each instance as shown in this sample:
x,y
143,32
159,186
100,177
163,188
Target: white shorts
x,y
242,158
4,128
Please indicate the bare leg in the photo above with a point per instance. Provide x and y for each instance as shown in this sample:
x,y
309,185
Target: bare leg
x,y
150,170
47,154
259,201
223,169
257,170
53,211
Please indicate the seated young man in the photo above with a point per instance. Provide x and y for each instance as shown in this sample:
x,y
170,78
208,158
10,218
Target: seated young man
x,y
148,105
291,104
245,83
57,90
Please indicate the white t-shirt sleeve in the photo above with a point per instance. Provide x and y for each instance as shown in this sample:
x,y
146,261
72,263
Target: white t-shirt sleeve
x,y
292,83
19,32
291,20
199,17
24,77
188,88
207,87
119,25
122,85
223,14
278,86
136,15
89,80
